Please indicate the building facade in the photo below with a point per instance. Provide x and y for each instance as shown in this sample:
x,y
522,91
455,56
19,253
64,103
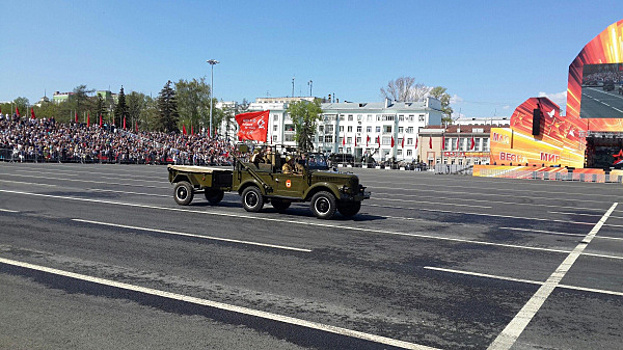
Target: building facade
x,y
382,130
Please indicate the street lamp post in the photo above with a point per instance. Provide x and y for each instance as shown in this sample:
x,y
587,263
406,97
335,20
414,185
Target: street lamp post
x,y
211,63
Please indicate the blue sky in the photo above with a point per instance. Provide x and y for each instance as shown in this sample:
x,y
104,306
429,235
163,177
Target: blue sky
x,y
491,55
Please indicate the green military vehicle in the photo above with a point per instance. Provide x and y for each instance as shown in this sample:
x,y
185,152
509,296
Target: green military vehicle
x,y
257,184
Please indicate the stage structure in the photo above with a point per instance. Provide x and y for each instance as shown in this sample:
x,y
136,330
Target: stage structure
x,y
586,143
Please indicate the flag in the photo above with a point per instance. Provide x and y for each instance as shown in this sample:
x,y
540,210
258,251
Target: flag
x,y
136,126
416,142
343,141
367,140
184,129
16,111
88,119
402,143
253,126
473,143
458,143
355,141
430,143
378,140
392,141
192,129
32,113
443,142
124,122
101,121
76,117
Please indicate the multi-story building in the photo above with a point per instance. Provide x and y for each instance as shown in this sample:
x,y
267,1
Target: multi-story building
x,y
383,130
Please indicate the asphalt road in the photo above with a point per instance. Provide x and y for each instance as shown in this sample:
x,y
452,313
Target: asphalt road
x,y
101,257
597,103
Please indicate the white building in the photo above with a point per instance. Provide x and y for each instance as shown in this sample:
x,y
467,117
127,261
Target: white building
x,y
358,128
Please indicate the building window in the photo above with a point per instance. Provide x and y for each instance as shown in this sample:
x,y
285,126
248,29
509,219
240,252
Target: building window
x,y
410,130
358,140
387,129
385,140
409,153
350,128
275,138
409,141
321,128
477,144
341,128
288,137
378,118
378,129
328,138
411,118
421,118
399,152
359,117
368,129
401,130
401,118
289,127
349,140
369,117
350,117
485,144
359,128
329,128
275,128
275,117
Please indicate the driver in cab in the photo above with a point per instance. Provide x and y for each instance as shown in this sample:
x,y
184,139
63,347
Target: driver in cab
x,y
291,167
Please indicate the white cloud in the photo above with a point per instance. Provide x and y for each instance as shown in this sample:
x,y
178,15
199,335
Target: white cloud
x,y
506,107
456,99
559,98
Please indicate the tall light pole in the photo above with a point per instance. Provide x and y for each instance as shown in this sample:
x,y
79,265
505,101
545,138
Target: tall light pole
x,y
211,63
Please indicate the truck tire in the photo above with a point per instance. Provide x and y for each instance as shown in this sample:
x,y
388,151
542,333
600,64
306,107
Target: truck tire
x,y
280,205
323,205
183,193
252,199
348,209
214,196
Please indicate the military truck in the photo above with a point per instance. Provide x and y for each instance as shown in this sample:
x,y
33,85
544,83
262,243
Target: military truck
x,y
326,190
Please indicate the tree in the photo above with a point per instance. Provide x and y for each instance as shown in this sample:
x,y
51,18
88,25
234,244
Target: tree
x,y
193,101
404,89
79,100
22,104
121,109
100,107
304,115
440,93
167,110
136,103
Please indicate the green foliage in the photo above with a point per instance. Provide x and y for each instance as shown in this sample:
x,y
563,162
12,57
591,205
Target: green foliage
x,y
121,109
193,102
22,103
168,116
439,93
136,103
304,115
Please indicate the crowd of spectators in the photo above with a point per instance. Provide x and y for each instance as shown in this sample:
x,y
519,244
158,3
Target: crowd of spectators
x,y
45,140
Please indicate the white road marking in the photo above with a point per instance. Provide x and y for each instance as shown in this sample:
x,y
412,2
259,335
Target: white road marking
x,y
9,211
88,181
309,223
193,235
503,278
27,183
385,199
513,330
128,192
222,306
557,233
582,214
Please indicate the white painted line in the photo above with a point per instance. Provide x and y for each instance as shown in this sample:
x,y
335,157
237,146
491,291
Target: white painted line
x,y
494,215
510,334
128,192
309,223
558,233
88,181
564,286
212,238
8,211
27,183
583,214
222,306
385,199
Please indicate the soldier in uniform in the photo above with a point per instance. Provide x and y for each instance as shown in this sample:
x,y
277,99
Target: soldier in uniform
x,y
291,167
258,157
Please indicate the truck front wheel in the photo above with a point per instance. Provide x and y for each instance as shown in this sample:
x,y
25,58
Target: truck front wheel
x,y
323,205
183,193
252,199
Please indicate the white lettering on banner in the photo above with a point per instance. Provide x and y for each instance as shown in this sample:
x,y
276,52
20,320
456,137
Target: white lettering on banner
x,y
511,157
550,157
500,138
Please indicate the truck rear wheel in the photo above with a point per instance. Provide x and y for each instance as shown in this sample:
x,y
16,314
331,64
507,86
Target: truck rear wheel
x,y
183,193
252,199
323,205
348,209
214,196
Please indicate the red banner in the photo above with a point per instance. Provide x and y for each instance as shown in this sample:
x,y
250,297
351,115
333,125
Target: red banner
x,y
253,126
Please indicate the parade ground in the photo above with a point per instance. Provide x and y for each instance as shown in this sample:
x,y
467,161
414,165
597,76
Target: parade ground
x,y
99,256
